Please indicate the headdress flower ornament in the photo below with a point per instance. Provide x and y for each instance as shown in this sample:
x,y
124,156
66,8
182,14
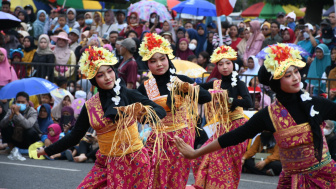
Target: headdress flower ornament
x,y
221,52
152,44
93,58
280,57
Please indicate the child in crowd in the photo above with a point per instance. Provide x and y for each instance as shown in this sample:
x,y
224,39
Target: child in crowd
x,y
47,99
16,55
62,24
192,58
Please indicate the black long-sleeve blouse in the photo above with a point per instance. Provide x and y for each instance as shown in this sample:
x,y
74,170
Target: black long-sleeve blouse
x,y
83,124
261,120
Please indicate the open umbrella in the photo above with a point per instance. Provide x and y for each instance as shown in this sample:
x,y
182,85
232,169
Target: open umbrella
x,y
267,10
196,7
144,8
169,3
189,69
77,105
8,21
32,86
81,4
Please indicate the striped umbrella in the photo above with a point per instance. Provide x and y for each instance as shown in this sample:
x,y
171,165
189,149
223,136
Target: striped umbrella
x,y
169,3
267,10
144,8
82,4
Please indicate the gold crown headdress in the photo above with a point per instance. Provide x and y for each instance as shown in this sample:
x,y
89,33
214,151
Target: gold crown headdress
x,y
154,43
221,52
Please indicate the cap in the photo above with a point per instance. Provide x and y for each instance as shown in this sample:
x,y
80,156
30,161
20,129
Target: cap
x,y
281,14
75,31
327,32
247,20
325,22
129,44
212,25
291,15
310,27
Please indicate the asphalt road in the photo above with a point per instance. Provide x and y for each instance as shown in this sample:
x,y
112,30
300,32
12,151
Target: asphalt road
x,y
36,174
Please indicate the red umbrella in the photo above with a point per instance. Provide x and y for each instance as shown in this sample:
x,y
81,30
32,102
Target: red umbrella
x,y
253,10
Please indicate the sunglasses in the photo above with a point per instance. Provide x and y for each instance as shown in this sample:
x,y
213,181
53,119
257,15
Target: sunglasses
x,y
133,17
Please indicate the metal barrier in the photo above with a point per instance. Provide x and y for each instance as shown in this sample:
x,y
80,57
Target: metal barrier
x,y
71,72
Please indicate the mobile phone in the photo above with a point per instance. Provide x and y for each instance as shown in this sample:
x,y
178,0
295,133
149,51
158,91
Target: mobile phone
x,y
66,120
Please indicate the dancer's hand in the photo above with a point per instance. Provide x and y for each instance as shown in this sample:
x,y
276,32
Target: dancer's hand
x,y
185,150
40,152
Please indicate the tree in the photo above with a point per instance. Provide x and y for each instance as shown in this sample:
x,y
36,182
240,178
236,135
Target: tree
x,y
313,8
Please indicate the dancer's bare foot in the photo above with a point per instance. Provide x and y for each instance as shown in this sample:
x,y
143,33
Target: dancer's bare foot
x,y
3,146
5,152
80,158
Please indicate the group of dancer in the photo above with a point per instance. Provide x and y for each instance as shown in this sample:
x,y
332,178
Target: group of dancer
x,y
168,103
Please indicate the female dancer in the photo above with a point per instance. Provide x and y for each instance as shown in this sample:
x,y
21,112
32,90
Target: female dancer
x,y
296,121
224,113
170,170
122,161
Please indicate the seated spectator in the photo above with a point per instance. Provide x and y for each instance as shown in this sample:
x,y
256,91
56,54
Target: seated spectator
x,y
266,29
29,50
47,99
74,36
330,135
86,86
64,56
30,12
19,128
71,87
167,27
242,44
56,111
264,143
252,69
192,58
131,34
180,33
67,120
87,147
15,56
317,68
44,120
44,55
183,50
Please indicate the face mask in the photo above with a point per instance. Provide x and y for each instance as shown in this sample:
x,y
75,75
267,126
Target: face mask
x,y
88,21
305,35
326,41
71,89
192,46
22,107
152,20
326,131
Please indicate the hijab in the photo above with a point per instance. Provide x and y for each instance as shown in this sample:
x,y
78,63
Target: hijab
x,y
71,23
45,122
56,111
47,50
57,130
253,71
3,113
318,66
31,16
180,29
171,30
38,22
101,18
62,54
214,74
137,20
5,69
32,44
88,13
192,34
256,35
111,16
70,110
265,78
183,55
291,34
26,19
201,38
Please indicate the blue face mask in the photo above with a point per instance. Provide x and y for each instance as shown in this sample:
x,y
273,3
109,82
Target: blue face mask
x,y
88,21
22,107
326,41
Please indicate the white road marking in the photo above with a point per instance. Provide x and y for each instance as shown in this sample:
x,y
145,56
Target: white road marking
x,y
261,182
38,166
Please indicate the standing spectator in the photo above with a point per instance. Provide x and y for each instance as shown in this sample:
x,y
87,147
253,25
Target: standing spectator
x,y
39,23
180,33
74,36
117,50
274,37
128,68
234,37
208,44
188,25
16,10
5,6
97,20
23,16
226,38
252,69
30,12
202,37
61,24
328,37
330,135
254,43
49,21
288,35
266,29
81,22
19,128
281,18
132,24
168,27
309,42
11,42
121,24
332,19
203,59
291,17
64,55
28,52
71,19
183,50
109,25
113,38
44,55
7,72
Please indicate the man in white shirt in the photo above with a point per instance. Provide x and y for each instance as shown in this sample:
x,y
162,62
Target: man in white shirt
x,y
121,20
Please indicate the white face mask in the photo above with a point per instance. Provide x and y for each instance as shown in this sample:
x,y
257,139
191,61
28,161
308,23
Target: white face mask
x,y
152,20
192,46
71,89
327,131
305,35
